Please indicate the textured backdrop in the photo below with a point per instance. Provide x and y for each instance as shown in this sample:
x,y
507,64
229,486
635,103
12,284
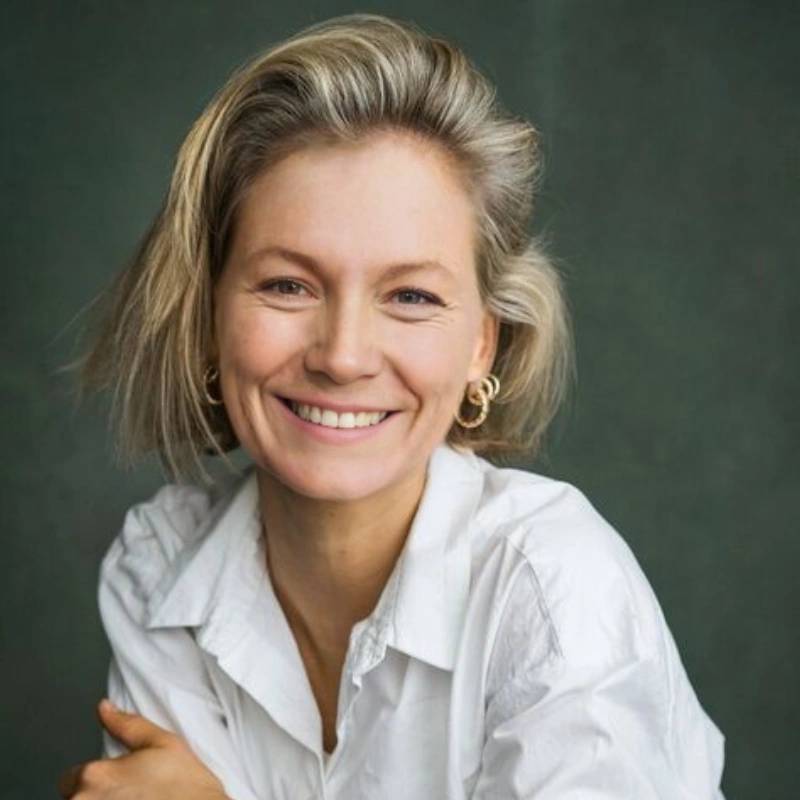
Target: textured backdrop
x,y
670,199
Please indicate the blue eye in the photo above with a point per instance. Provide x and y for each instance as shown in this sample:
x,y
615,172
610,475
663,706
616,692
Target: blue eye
x,y
288,287
423,298
294,286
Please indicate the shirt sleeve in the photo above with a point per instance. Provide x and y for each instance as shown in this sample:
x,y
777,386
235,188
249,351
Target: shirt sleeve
x,y
159,673
599,708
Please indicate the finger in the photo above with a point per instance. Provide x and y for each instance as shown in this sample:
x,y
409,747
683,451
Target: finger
x,y
69,780
133,730
88,775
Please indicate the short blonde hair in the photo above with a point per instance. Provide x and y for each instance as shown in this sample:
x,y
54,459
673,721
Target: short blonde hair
x,y
337,80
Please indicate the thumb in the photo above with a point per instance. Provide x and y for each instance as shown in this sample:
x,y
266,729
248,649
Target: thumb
x,y
133,730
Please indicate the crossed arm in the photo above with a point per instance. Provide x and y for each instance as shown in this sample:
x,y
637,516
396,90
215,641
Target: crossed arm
x,y
159,764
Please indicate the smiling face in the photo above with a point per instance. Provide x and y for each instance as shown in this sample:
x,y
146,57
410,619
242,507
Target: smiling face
x,y
350,284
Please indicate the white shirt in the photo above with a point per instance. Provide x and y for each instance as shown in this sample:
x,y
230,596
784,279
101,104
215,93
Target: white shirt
x,y
517,651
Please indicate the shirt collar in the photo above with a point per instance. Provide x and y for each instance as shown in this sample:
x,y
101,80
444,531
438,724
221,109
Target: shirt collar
x,y
433,572
213,582
215,568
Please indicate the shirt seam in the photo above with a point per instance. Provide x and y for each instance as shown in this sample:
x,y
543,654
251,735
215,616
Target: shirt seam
x,y
540,597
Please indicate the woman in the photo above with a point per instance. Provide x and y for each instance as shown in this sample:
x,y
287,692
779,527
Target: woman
x,y
341,282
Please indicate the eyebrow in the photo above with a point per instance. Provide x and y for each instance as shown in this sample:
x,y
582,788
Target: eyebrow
x,y
310,263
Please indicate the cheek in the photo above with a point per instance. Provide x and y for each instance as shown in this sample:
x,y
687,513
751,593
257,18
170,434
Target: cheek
x,y
255,343
430,358
433,362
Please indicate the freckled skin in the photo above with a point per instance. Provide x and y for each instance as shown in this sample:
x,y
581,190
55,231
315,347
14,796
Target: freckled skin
x,y
336,514
344,333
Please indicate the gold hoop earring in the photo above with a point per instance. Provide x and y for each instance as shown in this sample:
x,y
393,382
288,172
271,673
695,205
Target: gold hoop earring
x,y
486,392
211,374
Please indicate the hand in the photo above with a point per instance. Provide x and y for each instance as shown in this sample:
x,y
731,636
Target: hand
x,y
160,766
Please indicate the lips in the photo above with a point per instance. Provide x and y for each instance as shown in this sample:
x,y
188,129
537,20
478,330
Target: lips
x,y
330,433
293,405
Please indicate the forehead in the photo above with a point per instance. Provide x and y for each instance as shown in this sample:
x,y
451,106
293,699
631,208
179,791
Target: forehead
x,y
386,199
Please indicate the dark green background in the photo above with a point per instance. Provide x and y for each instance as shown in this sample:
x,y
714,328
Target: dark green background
x,y
671,140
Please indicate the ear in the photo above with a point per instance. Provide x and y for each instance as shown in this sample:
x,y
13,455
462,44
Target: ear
x,y
485,347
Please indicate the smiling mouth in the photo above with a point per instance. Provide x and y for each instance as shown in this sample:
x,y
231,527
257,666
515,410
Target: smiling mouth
x,y
326,418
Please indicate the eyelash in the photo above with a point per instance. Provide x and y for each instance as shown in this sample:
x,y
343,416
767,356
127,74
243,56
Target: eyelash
x,y
427,296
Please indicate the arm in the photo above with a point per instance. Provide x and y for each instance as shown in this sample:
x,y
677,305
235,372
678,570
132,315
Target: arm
x,y
158,764
160,673
606,712
577,735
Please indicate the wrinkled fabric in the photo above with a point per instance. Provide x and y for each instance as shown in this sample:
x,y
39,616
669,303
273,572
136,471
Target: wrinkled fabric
x,y
516,651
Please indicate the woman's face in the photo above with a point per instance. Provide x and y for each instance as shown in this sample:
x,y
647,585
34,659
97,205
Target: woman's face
x,y
350,285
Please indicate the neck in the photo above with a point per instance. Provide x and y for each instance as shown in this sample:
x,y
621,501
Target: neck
x,y
329,560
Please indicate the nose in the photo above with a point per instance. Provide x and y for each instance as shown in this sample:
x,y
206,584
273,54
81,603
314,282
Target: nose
x,y
344,346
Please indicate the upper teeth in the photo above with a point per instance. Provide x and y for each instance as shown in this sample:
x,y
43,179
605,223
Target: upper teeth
x,y
330,419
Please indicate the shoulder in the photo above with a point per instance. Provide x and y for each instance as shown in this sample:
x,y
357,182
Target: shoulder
x,y
159,671
556,564
570,637
153,535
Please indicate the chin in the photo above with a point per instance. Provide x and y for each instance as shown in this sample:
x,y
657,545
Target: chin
x,y
332,482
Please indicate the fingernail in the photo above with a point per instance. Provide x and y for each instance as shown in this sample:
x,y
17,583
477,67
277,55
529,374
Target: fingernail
x,y
108,705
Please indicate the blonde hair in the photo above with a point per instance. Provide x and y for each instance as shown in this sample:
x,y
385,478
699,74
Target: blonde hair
x,y
340,79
